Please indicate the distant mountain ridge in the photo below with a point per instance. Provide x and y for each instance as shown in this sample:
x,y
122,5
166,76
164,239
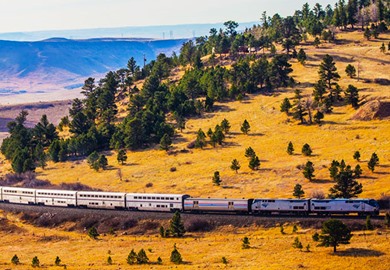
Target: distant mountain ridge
x,y
63,64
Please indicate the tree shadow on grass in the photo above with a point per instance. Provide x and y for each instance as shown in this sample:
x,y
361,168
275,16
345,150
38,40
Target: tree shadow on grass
x,y
359,252
322,181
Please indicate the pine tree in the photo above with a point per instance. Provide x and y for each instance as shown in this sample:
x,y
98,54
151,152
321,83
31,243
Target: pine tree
x,y
334,169
352,96
142,258
367,33
40,156
159,260
176,226
298,191
249,152
328,71
299,111
306,150
369,226
15,260
93,233
54,149
334,232
245,243
318,116
290,148
357,171
297,243
301,56
176,256
165,142
374,161
216,178
350,70
282,229
122,156
254,163
92,160
200,139
35,262
162,232
308,171
346,186
295,228
235,166
132,257
57,261
285,106
225,125
109,260
224,260
245,127
102,162
356,156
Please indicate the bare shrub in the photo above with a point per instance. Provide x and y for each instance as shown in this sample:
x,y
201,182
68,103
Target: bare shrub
x,y
148,185
172,169
191,145
149,225
199,225
384,201
77,186
318,194
128,223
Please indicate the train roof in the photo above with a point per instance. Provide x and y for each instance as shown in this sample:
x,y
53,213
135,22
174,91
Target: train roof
x,y
219,199
157,194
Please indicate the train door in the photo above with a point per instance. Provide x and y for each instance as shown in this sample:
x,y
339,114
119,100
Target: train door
x,y
195,205
231,205
52,201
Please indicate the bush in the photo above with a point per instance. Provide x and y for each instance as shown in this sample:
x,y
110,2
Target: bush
x,y
245,243
306,150
35,262
199,225
176,256
15,260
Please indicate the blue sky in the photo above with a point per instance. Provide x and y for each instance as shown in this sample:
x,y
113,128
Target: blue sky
x,y
33,15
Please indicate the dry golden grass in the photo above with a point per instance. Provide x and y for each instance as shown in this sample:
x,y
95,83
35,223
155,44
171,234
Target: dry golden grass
x,y
269,249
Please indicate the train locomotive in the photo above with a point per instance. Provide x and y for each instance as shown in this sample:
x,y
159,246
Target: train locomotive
x,y
186,203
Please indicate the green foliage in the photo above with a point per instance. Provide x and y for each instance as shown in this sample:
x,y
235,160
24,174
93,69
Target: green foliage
x,y
109,260
15,260
318,116
122,156
306,150
297,243
356,156
93,233
301,56
92,160
374,161
165,142
328,71
367,33
357,172
57,261
352,96
282,229
334,232
200,139
132,257
350,70
369,224
102,162
224,260
216,178
235,166
245,243
298,191
295,228
290,148
159,261
308,171
225,125
254,163
176,226
316,237
346,186
35,262
142,258
162,232
176,256
285,106
249,152
245,127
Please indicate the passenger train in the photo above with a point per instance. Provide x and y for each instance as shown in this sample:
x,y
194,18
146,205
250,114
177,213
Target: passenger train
x,y
185,203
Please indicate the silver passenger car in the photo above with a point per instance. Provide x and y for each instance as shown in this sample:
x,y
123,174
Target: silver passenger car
x,y
155,202
18,195
107,200
63,198
269,206
216,205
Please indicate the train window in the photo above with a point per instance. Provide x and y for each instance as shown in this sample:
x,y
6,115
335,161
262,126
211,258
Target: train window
x,y
149,198
153,198
144,198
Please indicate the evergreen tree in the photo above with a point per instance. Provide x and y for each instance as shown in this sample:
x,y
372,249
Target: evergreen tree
x,y
93,161
334,169
352,96
93,233
308,171
383,48
297,243
35,262
200,139
367,33
219,136
176,256
350,70
216,178
374,161
356,156
162,232
235,166
301,56
249,152
328,71
357,172
132,257
165,142
334,232
245,127
318,116
54,150
102,162
109,260
245,243
295,228
254,163
40,156
346,186
122,156
285,106
299,109
15,260
290,148
369,226
57,261
306,150
225,125
176,226
159,261
298,191
142,258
